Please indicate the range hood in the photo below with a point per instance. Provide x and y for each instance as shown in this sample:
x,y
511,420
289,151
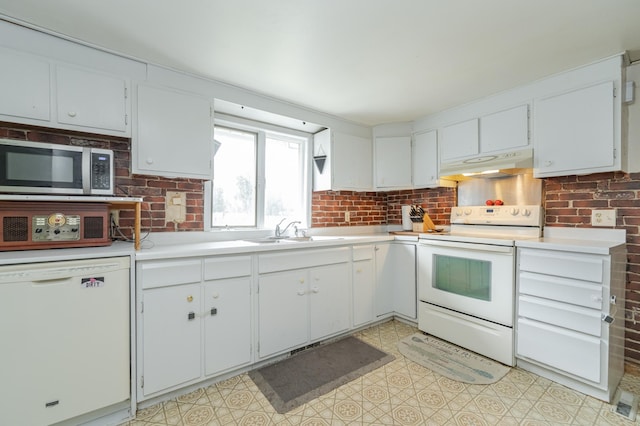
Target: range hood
x,y
488,166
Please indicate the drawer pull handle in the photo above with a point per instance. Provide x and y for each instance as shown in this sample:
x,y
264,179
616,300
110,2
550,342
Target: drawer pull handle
x,y
315,290
301,292
72,113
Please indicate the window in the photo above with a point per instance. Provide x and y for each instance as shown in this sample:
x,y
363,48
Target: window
x,y
260,176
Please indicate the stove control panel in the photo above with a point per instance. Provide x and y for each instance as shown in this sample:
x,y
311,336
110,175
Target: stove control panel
x,y
524,215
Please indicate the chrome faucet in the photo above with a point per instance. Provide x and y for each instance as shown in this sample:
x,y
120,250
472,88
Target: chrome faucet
x,y
280,232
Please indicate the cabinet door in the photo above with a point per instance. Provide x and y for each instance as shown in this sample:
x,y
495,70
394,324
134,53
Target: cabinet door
x,y
174,134
90,99
227,324
352,162
170,336
575,132
404,292
393,162
363,291
281,329
505,130
24,84
425,160
384,280
329,300
459,140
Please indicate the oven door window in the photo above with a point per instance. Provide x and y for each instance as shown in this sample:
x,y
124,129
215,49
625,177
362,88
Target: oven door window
x,y
463,276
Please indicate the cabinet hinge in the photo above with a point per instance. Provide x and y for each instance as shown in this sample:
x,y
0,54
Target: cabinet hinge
x,y
126,119
614,92
615,154
141,307
125,93
142,381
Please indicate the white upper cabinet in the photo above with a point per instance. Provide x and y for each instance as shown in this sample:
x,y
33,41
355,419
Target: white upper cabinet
x,y
341,161
459,140
505,130
425,160
173,134
24,84
496,132
90,99
393,162
575,132
39,91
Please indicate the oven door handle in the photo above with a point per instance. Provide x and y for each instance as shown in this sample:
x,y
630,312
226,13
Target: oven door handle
x,y
469,246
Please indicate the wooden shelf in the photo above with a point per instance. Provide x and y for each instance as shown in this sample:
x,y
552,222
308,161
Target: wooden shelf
x,y
116,202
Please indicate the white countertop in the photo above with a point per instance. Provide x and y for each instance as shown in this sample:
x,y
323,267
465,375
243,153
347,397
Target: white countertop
x,y
583,240
163,250
60,254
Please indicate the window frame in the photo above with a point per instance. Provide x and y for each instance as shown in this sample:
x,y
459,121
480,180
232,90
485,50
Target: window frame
x,y
262,130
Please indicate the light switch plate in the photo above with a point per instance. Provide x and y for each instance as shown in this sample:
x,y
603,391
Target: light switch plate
x,y
603,217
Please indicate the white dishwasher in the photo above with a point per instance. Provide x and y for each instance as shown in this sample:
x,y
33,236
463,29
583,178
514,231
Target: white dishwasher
x,y
64,331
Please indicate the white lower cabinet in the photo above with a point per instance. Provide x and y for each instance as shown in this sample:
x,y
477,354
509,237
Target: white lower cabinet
x,y
170,337
363,270
396,285
303,297
570,318
194,320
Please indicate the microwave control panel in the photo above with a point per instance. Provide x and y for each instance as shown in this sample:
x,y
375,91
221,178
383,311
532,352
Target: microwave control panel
x,y
55,227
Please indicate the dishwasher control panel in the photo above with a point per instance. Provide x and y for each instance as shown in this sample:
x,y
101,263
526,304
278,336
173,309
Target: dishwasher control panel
x,y
55,227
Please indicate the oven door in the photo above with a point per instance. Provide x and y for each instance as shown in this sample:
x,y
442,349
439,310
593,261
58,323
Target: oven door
x,y
41,168
473,279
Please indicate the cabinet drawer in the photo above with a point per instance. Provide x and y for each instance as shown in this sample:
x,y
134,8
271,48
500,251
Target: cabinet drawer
x,y
301,259
568,351
563,315
575,292
362,253
170,272
563,264
227,267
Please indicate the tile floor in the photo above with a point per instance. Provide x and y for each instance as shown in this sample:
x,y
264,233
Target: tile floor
x,y
400,393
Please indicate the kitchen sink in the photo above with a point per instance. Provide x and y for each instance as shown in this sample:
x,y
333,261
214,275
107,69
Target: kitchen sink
x,y
270,240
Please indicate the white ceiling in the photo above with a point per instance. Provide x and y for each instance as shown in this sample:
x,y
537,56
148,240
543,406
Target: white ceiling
x,y
367,61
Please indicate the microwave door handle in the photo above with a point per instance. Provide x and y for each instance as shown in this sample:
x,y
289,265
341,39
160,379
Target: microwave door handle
x,y
86,171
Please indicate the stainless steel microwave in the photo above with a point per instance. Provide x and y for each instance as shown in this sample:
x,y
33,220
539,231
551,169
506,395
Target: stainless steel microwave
x,y
43,168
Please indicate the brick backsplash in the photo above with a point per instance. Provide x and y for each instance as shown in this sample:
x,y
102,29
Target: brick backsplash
x,y
569,201
365,208
436,202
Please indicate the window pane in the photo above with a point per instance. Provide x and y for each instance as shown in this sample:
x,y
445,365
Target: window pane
x,y
234,178
284,181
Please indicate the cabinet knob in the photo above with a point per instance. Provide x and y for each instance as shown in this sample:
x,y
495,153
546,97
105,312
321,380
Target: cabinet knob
x,y
301,292
72,113
189,298
315,290
215,295
358,270
548,163
149,160
301,280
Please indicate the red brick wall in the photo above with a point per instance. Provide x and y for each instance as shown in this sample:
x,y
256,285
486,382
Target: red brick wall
x,y
436,202
152,188
365,208
569,201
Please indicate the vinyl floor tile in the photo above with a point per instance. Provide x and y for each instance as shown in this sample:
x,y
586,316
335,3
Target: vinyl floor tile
x,y
399,393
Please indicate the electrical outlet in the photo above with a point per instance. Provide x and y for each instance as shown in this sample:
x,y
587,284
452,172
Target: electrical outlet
x,y
115,217
603,217
347,216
